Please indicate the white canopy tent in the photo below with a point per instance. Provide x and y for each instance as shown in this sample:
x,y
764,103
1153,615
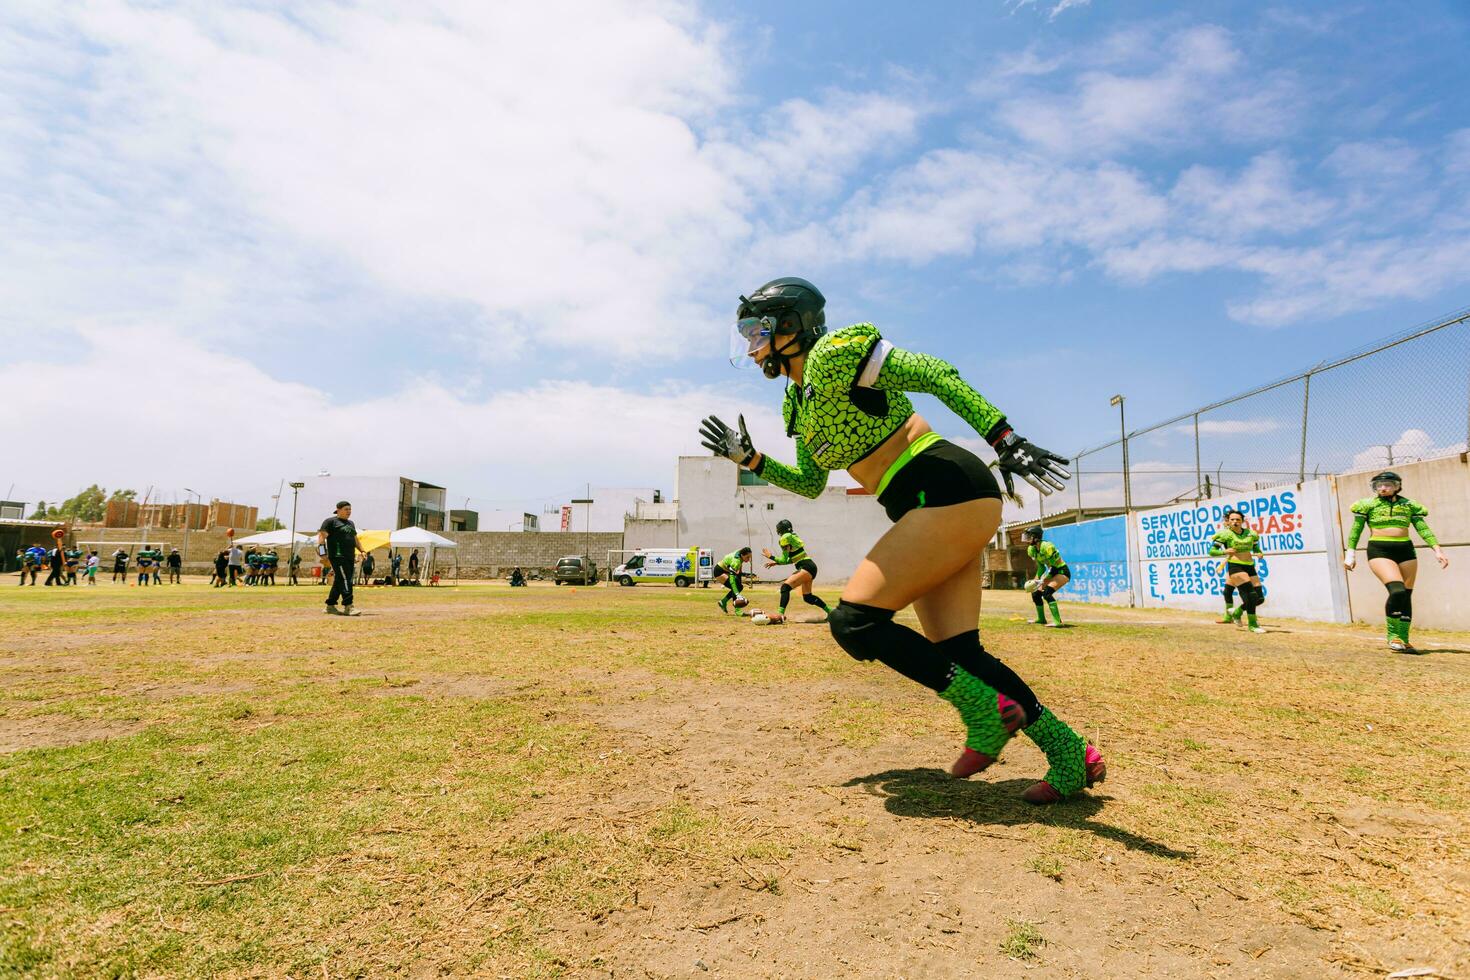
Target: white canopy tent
x,y
417,537
276,539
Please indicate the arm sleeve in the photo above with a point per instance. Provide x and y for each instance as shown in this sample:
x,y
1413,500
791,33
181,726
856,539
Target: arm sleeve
x,y
1256,548
1217,547
904,370
1422,526
1360,521
805,478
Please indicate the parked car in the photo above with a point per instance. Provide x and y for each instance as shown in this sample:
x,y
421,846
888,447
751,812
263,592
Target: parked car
x,y
576,570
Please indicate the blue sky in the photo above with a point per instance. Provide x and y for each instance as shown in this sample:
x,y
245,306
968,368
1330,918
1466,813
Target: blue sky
x,y
497,246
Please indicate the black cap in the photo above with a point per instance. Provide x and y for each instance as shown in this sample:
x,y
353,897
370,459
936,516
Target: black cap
x,y
343,503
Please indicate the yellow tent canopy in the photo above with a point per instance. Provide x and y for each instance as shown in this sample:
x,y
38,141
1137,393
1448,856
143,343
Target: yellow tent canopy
x,y
373,540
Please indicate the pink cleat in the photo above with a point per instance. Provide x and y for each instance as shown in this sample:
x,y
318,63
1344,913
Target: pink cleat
x,y
970,762
1043,792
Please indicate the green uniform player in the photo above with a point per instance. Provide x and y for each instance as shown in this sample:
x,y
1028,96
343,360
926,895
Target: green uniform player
x,y
1391,554
804,572
1238,543
1051,574
846,407
728,573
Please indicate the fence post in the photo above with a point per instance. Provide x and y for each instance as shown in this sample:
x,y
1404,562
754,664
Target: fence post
x,y
1077,476
1199,479
1301,475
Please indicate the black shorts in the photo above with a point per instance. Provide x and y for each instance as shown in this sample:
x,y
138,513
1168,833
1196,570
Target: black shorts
x,y
1399,551
1059,570
940,476
1236,567
808,566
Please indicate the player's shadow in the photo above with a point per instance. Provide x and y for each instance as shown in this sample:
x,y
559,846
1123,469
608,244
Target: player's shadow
x,y
934,793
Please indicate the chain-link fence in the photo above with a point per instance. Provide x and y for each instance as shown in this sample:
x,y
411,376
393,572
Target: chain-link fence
x,y
1400,400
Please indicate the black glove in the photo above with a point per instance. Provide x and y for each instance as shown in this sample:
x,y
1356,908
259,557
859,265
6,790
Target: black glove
x,y
724,441
1043,470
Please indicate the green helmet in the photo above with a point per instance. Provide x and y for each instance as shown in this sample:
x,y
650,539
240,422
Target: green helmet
x,y
787,308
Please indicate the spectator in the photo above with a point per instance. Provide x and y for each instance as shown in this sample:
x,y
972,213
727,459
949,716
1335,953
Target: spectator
x,y
517,577
368,564
236,563
292,564
337,542
73,559
120,565
57,561
413,564
175,567
92,562
394,564
221,569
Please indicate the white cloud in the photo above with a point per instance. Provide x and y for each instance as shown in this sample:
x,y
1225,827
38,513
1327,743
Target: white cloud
x,y
1198,90
244,429
1262,199
443,152
1411,446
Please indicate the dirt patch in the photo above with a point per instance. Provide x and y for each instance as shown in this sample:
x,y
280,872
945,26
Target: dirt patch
x,y
467,686
58,731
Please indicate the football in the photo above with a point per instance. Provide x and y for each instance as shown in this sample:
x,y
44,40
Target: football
x,y
759,618
58,534
741,602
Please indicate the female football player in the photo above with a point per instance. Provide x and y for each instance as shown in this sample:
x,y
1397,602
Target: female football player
x,y
1391,555
793,552
1051,574
1238,543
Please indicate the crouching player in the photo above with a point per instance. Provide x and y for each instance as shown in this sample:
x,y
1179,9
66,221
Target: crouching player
x,y
1051,574
793,552
727,573
1238,543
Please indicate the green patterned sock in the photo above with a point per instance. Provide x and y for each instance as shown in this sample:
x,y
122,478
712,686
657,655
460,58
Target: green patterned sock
x,y
1066,752
1250,619
976,702
1055,614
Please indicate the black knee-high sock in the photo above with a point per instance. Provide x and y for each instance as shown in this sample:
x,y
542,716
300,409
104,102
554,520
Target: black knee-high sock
x,y
967,651
1406,605
812,599
785,596
1248,598
1394,607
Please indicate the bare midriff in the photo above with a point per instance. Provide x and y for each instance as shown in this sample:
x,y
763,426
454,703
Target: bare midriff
x,y
869,470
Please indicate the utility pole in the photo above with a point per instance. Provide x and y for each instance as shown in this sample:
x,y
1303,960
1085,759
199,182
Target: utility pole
x,y
295,490
586,537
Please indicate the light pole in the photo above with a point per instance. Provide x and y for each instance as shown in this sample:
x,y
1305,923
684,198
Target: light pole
x,y
295,490
1123,432
586,536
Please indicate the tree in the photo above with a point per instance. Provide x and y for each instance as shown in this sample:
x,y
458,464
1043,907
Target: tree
x,y
269,524
124,495
40,514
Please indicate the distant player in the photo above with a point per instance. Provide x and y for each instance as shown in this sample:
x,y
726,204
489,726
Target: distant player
x,y
1051,574
727,573
793,552
145,564
1238,543
1391,554
92,562
120,566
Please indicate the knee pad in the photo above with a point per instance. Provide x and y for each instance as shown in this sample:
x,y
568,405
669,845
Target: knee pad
x,y
1036,597
1048,593
1258,596
857,628
785,594
811,599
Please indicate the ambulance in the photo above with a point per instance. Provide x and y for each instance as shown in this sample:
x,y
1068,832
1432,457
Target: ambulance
x,y
680,566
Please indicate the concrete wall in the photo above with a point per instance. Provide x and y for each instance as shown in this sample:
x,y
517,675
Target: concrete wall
x,y
651,533
716,512
492,554
1441,596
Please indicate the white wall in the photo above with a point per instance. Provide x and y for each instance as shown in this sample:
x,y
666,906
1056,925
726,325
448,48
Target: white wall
x,y
610,505
374,501
716,512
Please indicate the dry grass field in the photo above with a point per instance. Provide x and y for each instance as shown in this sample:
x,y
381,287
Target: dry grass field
x,y
617,782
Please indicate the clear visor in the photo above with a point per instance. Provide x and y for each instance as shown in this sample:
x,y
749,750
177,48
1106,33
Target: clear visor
x,y
751,333
1386,485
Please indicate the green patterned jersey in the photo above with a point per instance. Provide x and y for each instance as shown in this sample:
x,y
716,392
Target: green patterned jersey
x,y
1246,540
1045,555
1396,512
732,562
851,400
792,549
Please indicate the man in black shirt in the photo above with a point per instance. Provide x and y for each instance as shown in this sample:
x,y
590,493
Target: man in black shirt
x,y
175,567
337,542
